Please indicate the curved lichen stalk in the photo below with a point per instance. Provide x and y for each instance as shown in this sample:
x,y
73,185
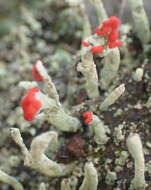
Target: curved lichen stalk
x,y
53,111
5,178
35,157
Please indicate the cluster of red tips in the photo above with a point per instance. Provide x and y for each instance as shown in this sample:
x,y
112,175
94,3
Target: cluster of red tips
x,y
110,30
113,22
88,116
86,43
30,104
97,49
36,74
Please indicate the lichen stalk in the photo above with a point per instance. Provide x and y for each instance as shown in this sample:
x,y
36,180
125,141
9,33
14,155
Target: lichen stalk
x,y
61,120
42,186
100,130
110,69
138,75
88,69
87,26
55,113
69,184
135,148
65,185
35,157
141,21
90,181
100,10
50,86
5,178
112,97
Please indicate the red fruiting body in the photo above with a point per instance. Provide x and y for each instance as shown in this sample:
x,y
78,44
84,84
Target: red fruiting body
x,y
98,31
110,31
102,31
114,35
97,49
112,44
29,115
107,23
88,116
30,104
36,74
115,22
86,43
119,43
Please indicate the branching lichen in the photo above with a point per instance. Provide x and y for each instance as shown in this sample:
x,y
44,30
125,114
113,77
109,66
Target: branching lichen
x,y
53,110
99,63
35,157
5,178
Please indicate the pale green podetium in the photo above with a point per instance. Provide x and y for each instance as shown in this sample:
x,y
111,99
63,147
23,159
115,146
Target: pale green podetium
x,y
5,178
100,130
88,69
112,97
55,113
65,185
69,184
110,69
42,186
100,10
138,75
90,181
140,20
35,157
135,148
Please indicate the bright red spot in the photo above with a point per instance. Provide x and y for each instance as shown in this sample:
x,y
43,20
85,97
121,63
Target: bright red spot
x,y
115,22
102,31
109,30
114,35
97,49
112,44
86,43
30,104
119,43
88,116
